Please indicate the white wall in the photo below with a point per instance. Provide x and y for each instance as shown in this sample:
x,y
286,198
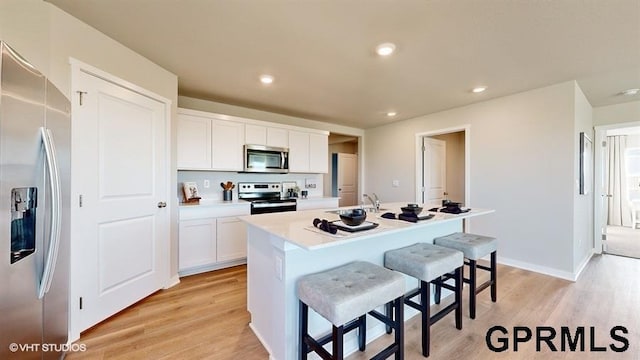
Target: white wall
x,y
583,241
522,165
216,177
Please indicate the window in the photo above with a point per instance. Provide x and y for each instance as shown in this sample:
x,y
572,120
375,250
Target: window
x,y
632,164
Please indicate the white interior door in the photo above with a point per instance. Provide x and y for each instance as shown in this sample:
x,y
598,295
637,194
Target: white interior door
x,y
434,177
347,179
120,144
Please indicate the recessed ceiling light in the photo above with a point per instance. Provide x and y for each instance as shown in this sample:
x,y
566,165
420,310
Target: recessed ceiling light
x,y
266,79
391,114
385,49
479,89
630,92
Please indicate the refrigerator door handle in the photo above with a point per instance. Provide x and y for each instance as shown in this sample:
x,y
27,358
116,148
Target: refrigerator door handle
x,y
56,218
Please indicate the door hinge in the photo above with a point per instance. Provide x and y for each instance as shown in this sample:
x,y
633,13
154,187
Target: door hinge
x,y
424,148
80,201
80,93
80,302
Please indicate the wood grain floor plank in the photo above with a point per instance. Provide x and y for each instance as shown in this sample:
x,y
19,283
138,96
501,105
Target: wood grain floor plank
x,y
205,317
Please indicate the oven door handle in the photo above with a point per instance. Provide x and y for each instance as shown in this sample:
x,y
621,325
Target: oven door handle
x,y
272,205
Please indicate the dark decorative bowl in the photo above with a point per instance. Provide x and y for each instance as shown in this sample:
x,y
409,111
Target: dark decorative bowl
x,y
411,209
353,217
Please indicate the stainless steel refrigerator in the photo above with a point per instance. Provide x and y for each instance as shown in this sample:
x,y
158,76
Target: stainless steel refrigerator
x,y
34,212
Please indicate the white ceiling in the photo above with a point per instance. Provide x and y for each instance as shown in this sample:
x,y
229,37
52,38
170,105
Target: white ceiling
x,y
321,53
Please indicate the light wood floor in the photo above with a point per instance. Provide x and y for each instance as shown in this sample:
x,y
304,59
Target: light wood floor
x,y
205,317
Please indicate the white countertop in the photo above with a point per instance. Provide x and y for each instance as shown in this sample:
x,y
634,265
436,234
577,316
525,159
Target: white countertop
x,y
297,227
215,202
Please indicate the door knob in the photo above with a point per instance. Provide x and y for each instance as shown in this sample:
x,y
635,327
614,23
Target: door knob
x,y
162,204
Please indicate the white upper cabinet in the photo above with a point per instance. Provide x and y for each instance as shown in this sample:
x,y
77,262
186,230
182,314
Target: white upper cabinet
x,y
227,144
255,134
277,137
308,152
298,151
266,135
194,142
207,143
318,153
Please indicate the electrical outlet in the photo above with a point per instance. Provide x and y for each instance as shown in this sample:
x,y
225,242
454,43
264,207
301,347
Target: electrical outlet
x,y
395,183
206,184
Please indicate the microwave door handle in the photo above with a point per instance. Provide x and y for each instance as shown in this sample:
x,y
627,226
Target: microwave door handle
x,y
282,159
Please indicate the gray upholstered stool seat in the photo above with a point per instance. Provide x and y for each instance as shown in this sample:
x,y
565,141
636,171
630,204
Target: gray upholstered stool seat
x,y
423,261
344,295
429,263
474,248
346,292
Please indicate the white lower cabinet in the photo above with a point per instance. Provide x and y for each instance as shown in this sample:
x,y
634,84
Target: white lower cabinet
x,y
209,240
197,243
232,239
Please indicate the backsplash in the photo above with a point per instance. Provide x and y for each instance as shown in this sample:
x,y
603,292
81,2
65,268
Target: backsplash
x,y
216,177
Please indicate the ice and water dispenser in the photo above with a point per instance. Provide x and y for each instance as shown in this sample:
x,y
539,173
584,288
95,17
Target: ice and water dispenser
x,y
23,222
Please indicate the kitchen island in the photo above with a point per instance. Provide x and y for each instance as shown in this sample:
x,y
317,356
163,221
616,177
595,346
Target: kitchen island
x,y
281,247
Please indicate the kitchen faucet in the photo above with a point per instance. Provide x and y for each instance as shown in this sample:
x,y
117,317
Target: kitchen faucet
x,y
376,203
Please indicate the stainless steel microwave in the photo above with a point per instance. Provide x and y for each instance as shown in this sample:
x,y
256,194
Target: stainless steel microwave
x,y
266,159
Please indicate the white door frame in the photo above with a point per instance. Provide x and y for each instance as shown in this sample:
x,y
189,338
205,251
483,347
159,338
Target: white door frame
x,y
76,68
467,160
599,137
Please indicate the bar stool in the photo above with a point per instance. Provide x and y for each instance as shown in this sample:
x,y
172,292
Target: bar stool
x,y
344,295
429,264
474,247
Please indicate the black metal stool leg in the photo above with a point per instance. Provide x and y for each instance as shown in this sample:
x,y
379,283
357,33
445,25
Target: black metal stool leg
x,y
425,301
458,295
362,332
303,324
438,290
472,289
494,277
389,312
338,336
399,326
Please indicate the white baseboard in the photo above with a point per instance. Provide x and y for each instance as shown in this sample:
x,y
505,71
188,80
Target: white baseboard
x,y
566,275
175,280
211,267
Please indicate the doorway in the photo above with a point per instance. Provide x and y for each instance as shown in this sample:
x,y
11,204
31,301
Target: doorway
x,y
442,168
617,182
343,177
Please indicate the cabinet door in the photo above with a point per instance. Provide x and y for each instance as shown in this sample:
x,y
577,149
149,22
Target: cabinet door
x,y
277,137
232,239
318,153
228,140
298,151
197,243
194,142
255,134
